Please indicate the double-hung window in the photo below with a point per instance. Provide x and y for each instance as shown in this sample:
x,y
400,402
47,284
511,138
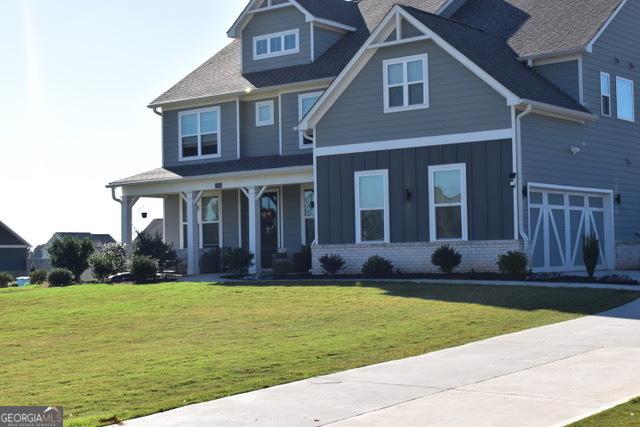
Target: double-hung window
x,y
372,206
406,83
264,113
276,44
605,94
625,99
305,103
209,223
308,216
448,202
199,132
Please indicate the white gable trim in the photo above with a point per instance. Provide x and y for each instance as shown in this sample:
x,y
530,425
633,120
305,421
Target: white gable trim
x,y
444,7
593,41
365,54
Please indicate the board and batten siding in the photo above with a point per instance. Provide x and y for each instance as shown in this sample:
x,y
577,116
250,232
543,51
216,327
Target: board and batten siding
x,y
459,102
609,155
276,21
258,141
489,193
228,128
14,260
565,75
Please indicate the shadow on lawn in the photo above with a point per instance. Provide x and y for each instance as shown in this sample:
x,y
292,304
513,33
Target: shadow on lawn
x,y
567,300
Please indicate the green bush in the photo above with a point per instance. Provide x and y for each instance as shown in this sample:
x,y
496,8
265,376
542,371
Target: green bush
x,y
60,277
376,266
156,248
302,260
143,269
112,259
237,260
282,267
71,254
446,258
331,264
514,262
5,279
101,267
38,277
591,253
210,261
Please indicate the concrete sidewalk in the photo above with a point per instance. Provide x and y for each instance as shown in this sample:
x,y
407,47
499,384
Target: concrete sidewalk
x,y
540,377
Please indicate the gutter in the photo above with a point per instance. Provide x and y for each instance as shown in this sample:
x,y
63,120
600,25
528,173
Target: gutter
x,y
566,113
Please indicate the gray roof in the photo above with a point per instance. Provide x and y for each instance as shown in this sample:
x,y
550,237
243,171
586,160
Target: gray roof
x,y
344,12
210,169
155,227
534,27
95,238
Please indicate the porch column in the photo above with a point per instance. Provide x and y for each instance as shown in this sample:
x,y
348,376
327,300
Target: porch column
x,y
126,219
253,195
193,233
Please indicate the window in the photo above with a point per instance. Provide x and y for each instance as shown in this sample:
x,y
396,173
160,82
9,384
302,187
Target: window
x,y
199,133
308,216
305,103
448,202
264,113
372,206
605,93
209,222
624,95
405,83
277,44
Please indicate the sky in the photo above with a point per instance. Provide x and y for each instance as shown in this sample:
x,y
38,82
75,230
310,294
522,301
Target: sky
x,y
75,79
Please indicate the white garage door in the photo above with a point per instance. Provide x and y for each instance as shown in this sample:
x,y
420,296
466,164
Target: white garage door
x,y
560,217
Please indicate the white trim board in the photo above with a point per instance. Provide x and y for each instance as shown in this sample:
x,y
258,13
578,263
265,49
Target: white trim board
x,y
429,141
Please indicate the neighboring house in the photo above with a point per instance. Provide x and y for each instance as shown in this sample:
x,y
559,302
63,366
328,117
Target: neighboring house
x,y
40,258
14,252
391,127
155,228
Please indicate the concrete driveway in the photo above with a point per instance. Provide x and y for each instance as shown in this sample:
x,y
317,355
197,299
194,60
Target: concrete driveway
x,y
540,377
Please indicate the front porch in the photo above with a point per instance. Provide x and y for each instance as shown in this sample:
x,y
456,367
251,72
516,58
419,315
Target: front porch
x,y
265,212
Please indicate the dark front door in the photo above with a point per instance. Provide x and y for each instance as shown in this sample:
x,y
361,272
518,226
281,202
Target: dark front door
x,y
268,227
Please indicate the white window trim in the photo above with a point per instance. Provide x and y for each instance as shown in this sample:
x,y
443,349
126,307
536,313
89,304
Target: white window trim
x,y
385,77
633,100
357,176
217,194
301,98
219,134
283,52
271,106
602,95
462,167
303,233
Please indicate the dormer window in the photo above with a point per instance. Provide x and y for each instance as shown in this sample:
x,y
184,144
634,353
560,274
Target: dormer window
x,y
277,44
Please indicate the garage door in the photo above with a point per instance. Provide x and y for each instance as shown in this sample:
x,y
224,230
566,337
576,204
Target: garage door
x,y
558,221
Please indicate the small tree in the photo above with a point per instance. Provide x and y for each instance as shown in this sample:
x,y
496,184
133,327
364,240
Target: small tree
x,y
72,254
156,248
591,253
446,258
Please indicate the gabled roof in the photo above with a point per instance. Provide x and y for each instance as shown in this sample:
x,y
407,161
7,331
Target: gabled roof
x,y
155,227
18,240
540,27
95,238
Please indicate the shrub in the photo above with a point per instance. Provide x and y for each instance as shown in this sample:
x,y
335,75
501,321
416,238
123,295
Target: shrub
x,y
331,264
143,268
5,279
210,261
237,260
60,277
282,267
101,267
156,248
446,258
38,277
72,254
513,262
590,253
376,266
116,255
302,260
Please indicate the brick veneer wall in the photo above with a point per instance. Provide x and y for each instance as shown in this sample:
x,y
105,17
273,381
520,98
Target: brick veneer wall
x,y
628,256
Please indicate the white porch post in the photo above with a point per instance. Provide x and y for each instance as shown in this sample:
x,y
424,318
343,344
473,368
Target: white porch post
x,y
253,194
193,233
126,219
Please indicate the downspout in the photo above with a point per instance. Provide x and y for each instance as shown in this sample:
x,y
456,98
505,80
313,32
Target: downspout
x,y
520,175
113,195
155,110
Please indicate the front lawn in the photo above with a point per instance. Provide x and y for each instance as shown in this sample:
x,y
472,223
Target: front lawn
x,y
626,415
125,351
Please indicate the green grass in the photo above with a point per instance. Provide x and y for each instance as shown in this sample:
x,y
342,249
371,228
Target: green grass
x,y
626,415
126,351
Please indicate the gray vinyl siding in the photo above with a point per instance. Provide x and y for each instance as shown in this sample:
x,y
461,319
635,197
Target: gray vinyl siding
x,y
459,102
228,129
610,148
7,238
409,30
564,75
172,220
257,141
290,113
323,39
291,218
489,194
264,23
230,235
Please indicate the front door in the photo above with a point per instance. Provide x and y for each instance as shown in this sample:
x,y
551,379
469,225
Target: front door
x,y
268,227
